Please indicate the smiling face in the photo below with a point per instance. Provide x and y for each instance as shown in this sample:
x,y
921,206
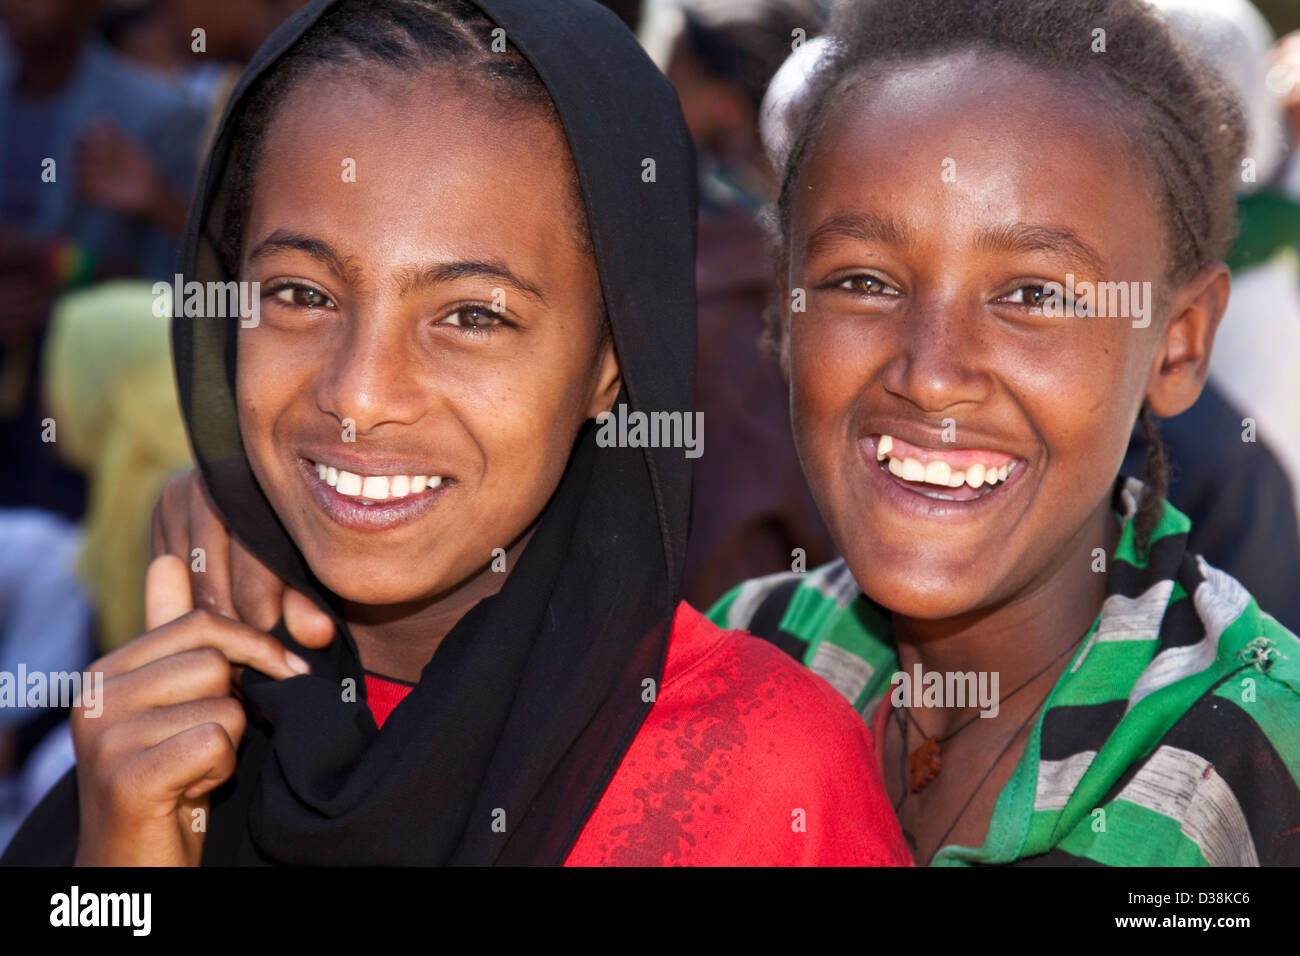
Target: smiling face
x,y
934,205
441,305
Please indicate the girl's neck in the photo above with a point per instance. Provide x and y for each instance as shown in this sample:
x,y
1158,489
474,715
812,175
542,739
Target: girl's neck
x,y
398,640
1018,638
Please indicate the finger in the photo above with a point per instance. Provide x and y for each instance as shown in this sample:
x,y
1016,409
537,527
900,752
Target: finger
x,y
157,539
166,591
237,642
306,623
209,533
195,674
197,755
255,589
152,726
172,514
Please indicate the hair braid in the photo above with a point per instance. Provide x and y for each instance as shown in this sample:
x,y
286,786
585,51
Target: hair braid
x,y
1155,480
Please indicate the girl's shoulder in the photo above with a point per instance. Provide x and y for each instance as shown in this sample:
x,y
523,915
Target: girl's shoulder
x,y
822,619
1204,769
746,758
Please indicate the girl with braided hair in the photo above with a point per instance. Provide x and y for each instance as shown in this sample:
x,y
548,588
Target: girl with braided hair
x,y
962,178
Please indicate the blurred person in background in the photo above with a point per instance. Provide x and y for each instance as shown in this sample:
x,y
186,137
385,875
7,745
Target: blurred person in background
x,y
108,381
45,627
1284,81
1235,454
199,45
96,160
752,509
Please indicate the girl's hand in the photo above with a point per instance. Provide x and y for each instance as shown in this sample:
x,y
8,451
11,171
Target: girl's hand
x,y
169,727
233,582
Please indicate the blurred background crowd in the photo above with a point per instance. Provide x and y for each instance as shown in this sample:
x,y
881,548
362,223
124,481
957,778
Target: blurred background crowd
x,y
106,110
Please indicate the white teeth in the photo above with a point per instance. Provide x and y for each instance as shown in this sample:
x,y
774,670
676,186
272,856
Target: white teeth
x,y
375,487
349,484
937,473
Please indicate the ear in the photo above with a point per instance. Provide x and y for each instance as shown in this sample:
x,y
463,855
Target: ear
x,y
608,380
1182,360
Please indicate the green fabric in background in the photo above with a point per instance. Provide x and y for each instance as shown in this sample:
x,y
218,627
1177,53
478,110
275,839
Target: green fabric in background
x,y
1268,222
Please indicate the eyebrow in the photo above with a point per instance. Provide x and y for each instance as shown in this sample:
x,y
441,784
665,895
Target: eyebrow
x,y
409,279
282,240
1024,237
1014,237
414,278
860,227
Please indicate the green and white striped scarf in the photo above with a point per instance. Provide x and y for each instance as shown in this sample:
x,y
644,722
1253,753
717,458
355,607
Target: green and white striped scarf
x,y
1173,738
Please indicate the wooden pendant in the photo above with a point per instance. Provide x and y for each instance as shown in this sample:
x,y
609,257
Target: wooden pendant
x,y
924,764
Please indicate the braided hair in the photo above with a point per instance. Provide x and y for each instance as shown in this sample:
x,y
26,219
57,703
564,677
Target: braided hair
x,y
398,35
1191,117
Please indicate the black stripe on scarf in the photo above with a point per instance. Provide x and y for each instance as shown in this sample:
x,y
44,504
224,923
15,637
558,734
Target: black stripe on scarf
x,y
1072,729
1224,734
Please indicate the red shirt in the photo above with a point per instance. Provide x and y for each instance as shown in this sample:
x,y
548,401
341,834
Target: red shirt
x,y
746,759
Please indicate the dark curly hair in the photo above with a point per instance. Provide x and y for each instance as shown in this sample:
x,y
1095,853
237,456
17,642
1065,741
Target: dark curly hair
x,y
1191,117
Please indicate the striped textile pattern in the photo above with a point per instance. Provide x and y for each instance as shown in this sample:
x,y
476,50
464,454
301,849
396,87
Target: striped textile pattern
x,y
1172,739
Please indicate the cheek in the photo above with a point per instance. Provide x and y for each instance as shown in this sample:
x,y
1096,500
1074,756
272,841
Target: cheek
x,y
1078,391
526,420
831,363
268,380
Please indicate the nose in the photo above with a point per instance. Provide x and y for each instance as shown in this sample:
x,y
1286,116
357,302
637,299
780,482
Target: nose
x,y
939,357
372,377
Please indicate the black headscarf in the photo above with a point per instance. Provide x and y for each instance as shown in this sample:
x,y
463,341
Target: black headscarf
x,y
521,718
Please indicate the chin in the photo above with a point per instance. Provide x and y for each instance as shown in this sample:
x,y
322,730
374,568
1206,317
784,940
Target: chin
x,y
374,586
918,593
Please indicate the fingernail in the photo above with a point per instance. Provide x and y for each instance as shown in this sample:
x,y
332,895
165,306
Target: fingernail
x,y
296,663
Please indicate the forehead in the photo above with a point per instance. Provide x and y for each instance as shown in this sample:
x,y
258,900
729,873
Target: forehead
x,y
431,154
971,141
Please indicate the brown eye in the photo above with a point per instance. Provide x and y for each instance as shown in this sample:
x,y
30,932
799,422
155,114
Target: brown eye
x,y
1029,295
309,298
1036,296
867,285
303,297
472,317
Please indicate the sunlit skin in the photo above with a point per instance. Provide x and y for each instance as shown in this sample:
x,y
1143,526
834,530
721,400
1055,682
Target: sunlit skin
x,y
922,306
363,318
